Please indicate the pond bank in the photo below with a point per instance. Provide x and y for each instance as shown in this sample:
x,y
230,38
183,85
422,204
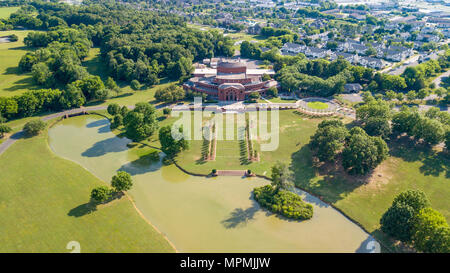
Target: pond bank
x,y
206,214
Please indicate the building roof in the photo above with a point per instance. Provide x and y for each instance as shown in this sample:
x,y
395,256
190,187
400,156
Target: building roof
x,y
230,64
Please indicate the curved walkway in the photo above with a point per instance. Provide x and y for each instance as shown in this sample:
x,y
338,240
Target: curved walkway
x,y
13,138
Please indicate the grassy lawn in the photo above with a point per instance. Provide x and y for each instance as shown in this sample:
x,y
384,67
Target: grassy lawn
x,y
6,11
43,203
280,100
11,81
295,132
317,105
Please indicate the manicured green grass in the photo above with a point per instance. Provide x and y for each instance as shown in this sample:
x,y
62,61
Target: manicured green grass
x,y
12,82
5,12
280,100
317,105
295,131
43,203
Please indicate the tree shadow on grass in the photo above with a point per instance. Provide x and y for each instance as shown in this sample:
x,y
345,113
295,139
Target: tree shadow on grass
x,y
91,206
82,210
328,181
434,162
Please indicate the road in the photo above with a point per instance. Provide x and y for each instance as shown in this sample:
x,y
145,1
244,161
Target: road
x,y
438,80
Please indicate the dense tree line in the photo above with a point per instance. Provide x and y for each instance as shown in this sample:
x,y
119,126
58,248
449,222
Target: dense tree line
x,y
136,46
321,77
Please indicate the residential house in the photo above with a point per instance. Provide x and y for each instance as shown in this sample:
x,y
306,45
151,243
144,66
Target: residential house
x,y
352,88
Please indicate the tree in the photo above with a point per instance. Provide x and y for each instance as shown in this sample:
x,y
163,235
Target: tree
x,y
172,142
135,85
167,111
373,109
4,129
429,130
171,93
447,140
405,120
101,194
282,177
112,85
431,232
397,222
72,97
411,95
416,199
42,74
362,152
121,181
253,96
391,94
34,127
272,92
113,109
329,139
117,121
140,123
376,126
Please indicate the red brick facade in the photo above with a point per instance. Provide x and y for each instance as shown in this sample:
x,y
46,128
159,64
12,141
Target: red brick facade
x,y
229,83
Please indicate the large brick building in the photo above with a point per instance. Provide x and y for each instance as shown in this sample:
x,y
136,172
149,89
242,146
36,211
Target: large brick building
x,y
230,81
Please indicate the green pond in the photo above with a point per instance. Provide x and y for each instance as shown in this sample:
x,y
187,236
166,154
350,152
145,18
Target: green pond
x,y
202,214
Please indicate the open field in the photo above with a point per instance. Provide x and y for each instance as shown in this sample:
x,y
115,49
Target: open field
x,y
11,81
5,12
43,203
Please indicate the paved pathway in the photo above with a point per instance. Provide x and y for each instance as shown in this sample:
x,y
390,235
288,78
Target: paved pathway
x,y
13,138
438,80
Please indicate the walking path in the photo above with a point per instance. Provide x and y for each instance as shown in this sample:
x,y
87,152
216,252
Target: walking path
x,y
231,172
13,138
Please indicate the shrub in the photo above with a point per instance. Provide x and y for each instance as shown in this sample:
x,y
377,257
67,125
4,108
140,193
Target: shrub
x,y
113,109
101,194
122,181
117,121
34,127
283,202
167,111
135,85
4,129
13,38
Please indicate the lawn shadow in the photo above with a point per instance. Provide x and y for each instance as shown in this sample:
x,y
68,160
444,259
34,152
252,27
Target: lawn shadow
x,y
91,206
434,162
82,210
323,179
